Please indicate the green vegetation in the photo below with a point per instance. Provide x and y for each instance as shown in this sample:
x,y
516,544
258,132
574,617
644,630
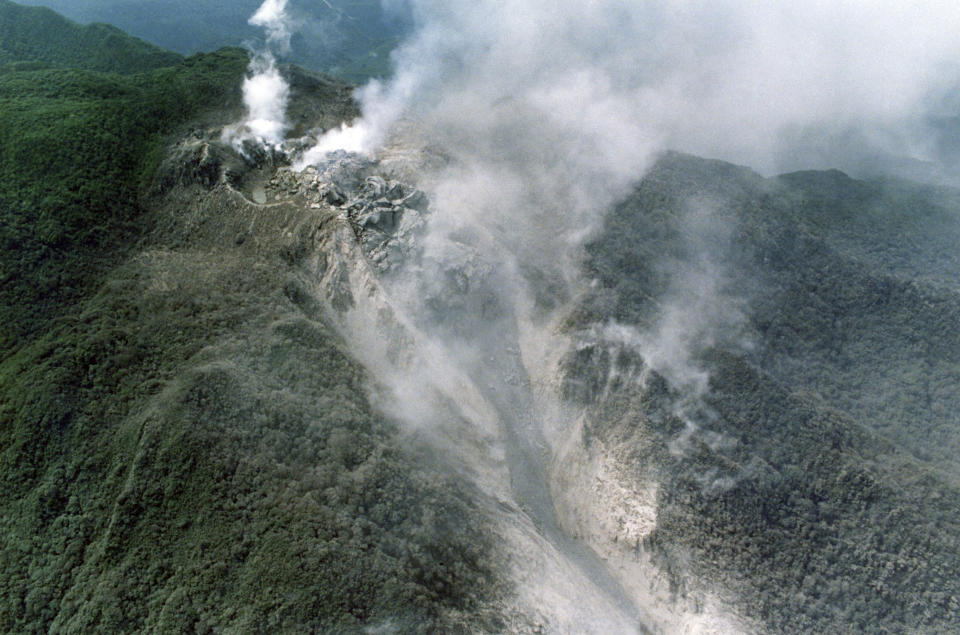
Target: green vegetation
x,y
839,532
189,454
183,448
37,34
363,65
820,484
350,39
849,287
184,26
76,148
185,444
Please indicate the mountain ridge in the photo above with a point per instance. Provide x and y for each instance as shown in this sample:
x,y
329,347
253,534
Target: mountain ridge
x,y
351,40
26,35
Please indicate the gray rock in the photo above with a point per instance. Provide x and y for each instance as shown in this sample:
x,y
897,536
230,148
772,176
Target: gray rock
x,y
382,218
374,187
332,194
415,200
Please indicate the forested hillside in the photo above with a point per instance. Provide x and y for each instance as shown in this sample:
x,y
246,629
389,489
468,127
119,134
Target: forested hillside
x,y
349,38
76,148
39,36
169,460
848,288
820,457
241,396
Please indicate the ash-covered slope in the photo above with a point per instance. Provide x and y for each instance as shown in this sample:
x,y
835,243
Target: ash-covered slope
x,y
246,427
181,448
672,457
779,357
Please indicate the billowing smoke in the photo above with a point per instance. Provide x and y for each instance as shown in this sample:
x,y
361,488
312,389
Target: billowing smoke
x,y
548,111
272,17
753,82
702,306
265,91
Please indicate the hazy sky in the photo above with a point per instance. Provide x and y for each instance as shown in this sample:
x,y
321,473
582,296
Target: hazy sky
x,y
725,78
551,109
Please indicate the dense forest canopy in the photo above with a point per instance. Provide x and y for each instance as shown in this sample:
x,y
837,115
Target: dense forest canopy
x,y
78,146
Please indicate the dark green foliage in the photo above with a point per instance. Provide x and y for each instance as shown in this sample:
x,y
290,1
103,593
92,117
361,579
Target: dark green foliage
x,y
37,34
373,62
351,39
75,149
188,454
834,531
819,485
850,287
181,449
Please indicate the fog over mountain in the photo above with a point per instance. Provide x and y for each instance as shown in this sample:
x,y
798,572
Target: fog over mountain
x,y
546,116
616,317
769,85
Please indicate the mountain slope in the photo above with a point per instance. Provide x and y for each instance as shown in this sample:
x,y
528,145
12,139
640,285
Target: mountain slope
x,y
349,38
37,34
189,451
807,476
237,396
169,459
75,148
848,287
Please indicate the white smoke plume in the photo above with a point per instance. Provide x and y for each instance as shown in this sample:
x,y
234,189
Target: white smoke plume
x,y
549,110
265,91
743,80
272,16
